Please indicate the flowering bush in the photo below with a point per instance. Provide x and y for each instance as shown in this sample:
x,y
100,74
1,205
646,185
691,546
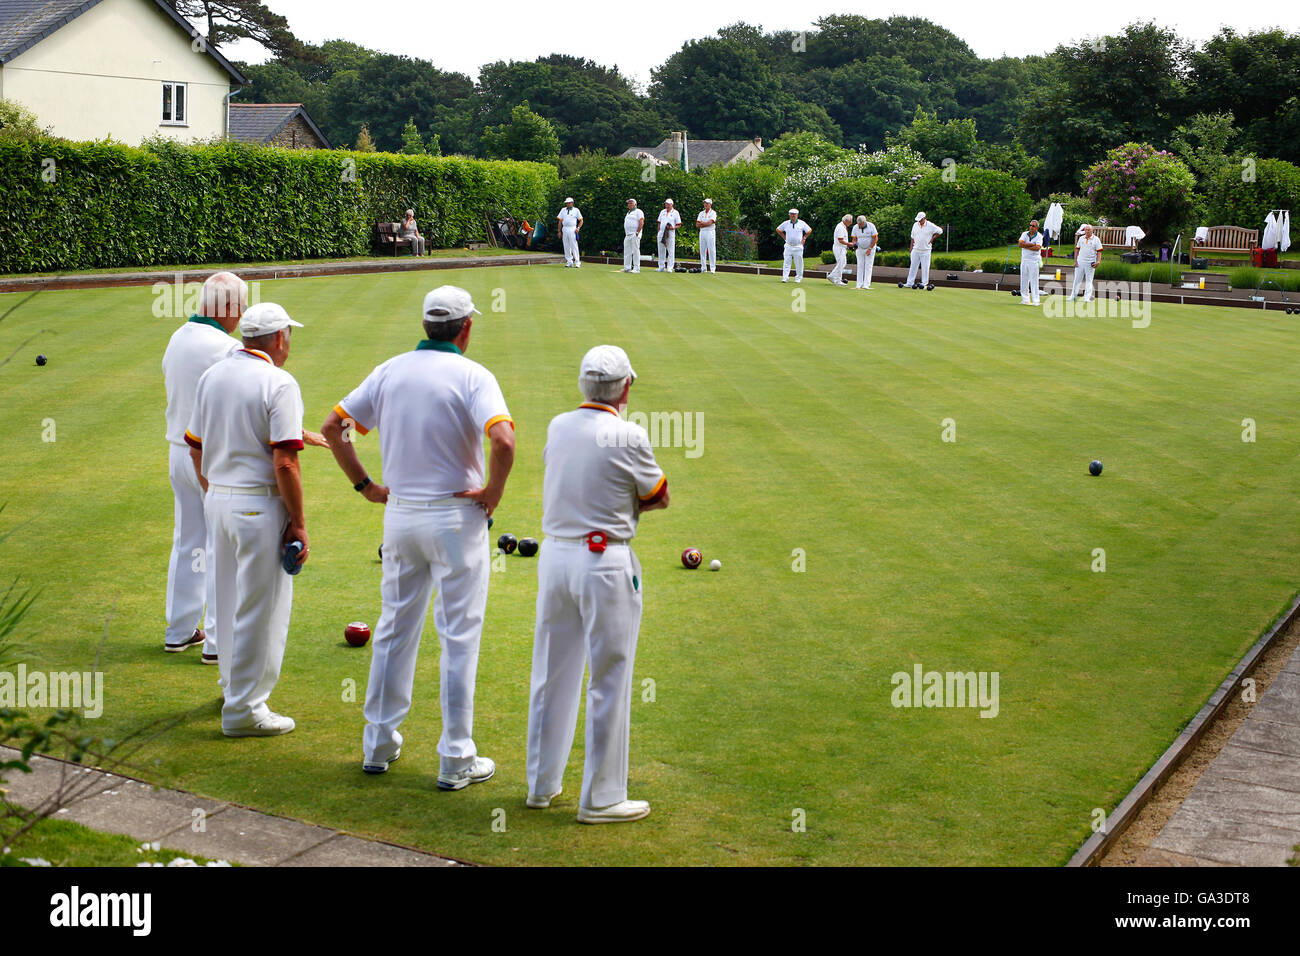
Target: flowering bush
x,y
898,166
1136,184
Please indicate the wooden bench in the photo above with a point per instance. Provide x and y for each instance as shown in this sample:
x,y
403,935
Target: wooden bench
x,y
386,240
1227,239
1214,281
1112,237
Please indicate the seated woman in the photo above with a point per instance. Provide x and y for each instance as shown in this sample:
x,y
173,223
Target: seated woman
x,y
409,230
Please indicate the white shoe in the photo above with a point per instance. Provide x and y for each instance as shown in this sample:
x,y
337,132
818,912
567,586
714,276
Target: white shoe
x,y
797,281
381,766
785,280
272,725
624,812
540,801
481,769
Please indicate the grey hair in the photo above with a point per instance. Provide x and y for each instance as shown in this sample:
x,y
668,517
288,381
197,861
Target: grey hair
x,y
224,295
862,220
606,393
847,218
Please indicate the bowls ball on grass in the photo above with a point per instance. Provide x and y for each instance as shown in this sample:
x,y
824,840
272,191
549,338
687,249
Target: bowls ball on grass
x,y
1094,467
507,543
527,547
357,633
691,558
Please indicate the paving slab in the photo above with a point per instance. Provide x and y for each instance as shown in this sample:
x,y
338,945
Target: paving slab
x,y
1248,765
344,850
141,811
247,836
1153,857
1270,736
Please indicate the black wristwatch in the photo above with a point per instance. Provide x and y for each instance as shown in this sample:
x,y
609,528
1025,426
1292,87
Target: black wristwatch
x,y
361,485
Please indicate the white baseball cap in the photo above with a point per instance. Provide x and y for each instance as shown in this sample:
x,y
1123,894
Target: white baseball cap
x,y
447,303
265,318
919,217
568,199
668,202
709,201
794,212
606,363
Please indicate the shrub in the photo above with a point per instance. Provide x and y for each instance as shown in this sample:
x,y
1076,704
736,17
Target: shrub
x,y
112,205
948,263
1077,211
1245,277
1114,270
996,266
745,190
893,259
1231,201
894,223
857,196
980,207
1137,184
899,166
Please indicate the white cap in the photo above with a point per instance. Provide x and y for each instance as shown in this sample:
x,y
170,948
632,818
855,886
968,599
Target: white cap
x,y
668,202
265,318
448,303
709,201
568,199
919,217
794,212
606,363
631,200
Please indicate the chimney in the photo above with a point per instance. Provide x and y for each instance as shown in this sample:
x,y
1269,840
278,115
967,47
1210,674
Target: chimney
x,y
675,150
758,141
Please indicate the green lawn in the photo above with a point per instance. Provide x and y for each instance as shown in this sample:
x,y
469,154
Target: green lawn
x,y
61,843
772,687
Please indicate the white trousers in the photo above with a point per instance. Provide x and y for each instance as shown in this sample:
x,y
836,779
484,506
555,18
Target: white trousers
x,y
709,250
793,254
632,252
190,588
442,548
254,599
588,612
841,252
667,246
570,237
920,260
1083,273
865,265
1029,281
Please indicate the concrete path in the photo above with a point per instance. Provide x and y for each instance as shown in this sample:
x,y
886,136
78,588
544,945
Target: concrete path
x,y
1245,809
193,824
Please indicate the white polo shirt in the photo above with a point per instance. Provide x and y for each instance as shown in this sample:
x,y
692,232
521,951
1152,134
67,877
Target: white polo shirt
x,y
244,408
632,222
432,407
194,348
794,232
598,466
1029,256
841,232
922,236
709,217
666,218
569,217
862,235
1088,249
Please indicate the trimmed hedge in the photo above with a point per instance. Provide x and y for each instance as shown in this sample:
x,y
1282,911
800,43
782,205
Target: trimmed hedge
x,y
111,205
980,208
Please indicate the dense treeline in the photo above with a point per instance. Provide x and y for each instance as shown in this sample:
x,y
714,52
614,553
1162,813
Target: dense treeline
x,y
851,79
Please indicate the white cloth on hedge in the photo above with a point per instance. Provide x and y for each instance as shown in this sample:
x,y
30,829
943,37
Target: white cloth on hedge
x,y
1054,219
1133,235
1270,232
1284,231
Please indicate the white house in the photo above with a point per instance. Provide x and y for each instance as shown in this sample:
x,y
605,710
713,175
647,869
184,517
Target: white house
x,y
129,69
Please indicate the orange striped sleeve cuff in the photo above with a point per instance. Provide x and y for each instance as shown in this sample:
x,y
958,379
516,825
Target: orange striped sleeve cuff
x,y
657,492
194,441
499,418
341,413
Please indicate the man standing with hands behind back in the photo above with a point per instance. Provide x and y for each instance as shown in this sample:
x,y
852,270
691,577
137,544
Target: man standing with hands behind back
x,y
707,222
432,406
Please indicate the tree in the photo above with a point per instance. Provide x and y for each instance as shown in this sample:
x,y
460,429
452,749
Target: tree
x,y
953,139
791,152
412,143
1255,77
1137,184
364,143
527,136
229,20
1242,195
18,122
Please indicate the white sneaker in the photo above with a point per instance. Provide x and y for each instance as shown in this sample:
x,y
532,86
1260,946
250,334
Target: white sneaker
x,y
380,766
540,801
624,812
481,769
272,725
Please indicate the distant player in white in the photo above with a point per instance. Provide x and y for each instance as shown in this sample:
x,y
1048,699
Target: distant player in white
x,y
923,234
865,238
670,220
633,223
1031,258
570,220
433,408
707,221
1087,253
840,247
601,476
194,348
795,233
245,435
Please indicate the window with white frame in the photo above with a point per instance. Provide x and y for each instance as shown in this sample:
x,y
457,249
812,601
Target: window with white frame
x,y
174,105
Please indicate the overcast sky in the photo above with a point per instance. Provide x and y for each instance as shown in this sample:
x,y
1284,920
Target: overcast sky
x,y
462,36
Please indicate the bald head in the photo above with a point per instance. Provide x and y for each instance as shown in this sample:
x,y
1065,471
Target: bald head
x,y
224,298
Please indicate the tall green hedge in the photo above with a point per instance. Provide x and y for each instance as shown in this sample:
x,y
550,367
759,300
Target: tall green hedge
x,y
978,207
66,205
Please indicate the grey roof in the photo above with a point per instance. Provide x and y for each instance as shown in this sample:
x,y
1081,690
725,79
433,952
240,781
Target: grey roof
x,y
261,122
25,23
699,152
